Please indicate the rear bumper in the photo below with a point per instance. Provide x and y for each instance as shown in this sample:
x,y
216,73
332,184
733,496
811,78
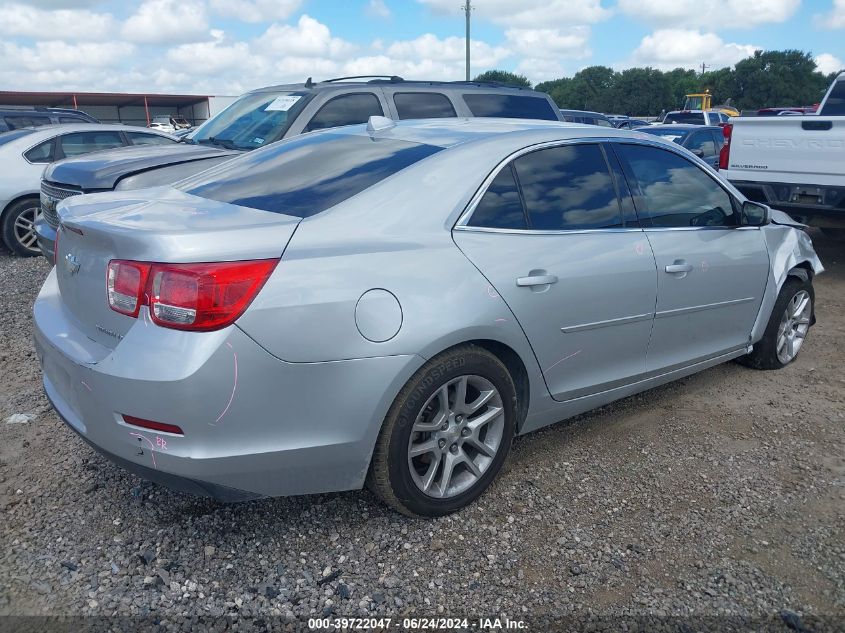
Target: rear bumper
x,y
253,425
46,236
819,205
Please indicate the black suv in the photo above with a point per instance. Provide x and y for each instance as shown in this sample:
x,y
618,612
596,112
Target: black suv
x,y
13,118
274,113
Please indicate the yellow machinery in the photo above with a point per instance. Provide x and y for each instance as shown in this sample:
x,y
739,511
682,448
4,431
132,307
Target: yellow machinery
x,y
704,101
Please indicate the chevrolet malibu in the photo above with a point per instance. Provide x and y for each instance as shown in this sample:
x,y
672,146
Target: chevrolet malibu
x,y
390,304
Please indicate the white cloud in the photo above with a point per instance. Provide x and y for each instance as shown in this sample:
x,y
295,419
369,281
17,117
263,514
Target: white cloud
x,y
167,21
707,13
828,63
309,38
450,50
378,9
672,48
46,57
529,13
256,10
550,43
835,19
20,20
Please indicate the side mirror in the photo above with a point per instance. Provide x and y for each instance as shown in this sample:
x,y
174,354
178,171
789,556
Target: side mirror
x,y
755,214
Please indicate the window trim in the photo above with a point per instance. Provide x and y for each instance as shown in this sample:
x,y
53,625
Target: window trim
x,y
635,190
52,139
322,106
466,214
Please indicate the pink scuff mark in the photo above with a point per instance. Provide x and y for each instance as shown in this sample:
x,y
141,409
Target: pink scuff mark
x,y
234,387
152,446
85,384
563,359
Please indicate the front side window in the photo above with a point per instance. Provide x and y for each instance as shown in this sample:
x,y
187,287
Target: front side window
x,y
306,175
604,123
423,105
501,206
142,138
568,188
41,153
509,106
80,143
70,119
674,192
349,109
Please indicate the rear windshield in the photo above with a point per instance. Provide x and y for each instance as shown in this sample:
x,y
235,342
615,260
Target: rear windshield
x,y
696,118
308,174
252,121
6,137
835,104
509,106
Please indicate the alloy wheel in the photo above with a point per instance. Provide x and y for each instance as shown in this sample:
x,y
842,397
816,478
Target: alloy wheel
x,y
793,327
455,436
24,228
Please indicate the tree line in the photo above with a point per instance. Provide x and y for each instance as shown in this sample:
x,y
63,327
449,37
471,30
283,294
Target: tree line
x,y
766,79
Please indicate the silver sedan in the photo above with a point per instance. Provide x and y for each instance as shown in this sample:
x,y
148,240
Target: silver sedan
x,y
26,152
389,305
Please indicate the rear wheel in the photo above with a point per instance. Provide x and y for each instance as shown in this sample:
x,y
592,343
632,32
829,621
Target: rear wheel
x,y
19,227
447,434
788,326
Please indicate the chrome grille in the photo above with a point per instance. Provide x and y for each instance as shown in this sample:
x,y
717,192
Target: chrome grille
x,y
51,195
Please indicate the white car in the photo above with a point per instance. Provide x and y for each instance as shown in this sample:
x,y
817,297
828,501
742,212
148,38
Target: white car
x,y
26,152
696,117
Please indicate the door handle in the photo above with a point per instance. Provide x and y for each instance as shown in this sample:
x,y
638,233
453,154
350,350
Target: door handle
x,y
680,266
536,280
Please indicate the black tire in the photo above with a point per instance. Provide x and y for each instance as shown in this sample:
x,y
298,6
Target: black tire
x,y
837,235
389,476
764,355
11,233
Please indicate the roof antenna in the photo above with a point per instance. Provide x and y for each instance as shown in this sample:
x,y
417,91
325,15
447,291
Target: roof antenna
x,y
309,83
379,123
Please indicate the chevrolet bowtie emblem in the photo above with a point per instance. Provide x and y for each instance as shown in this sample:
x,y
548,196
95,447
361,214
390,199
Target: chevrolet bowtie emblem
x,y
71,264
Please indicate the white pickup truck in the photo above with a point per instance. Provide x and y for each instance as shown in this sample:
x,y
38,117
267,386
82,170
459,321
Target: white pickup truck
x,y
793,163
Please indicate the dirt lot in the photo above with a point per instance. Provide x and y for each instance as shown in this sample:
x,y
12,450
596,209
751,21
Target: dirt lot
x,y
712,502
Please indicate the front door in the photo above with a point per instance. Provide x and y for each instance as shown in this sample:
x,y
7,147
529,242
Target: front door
x,y
711,272
549,235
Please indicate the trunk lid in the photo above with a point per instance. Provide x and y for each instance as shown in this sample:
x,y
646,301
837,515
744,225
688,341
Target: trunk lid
x,y
165,225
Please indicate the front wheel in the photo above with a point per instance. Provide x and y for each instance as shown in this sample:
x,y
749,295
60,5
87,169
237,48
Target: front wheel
x,y
788,326
446,435
19,227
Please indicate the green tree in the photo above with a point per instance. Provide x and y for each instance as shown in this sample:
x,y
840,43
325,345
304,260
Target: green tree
x,y
778,78
504,77
640,92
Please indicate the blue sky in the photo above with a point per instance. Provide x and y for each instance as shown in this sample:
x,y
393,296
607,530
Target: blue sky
x,y
229,46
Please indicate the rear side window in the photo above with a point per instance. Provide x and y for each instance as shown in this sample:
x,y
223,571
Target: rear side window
x,y
346,110
41,153
16,121
140,138
835,104
423,105
501,206
509,106
702,141
80,143
308,174
70,119
568,188
674,192
604,123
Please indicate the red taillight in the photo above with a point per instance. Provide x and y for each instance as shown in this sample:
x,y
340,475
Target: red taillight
x,y
152,426
725,152
198,297
125,283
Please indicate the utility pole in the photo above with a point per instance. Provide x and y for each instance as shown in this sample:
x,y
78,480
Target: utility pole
x,y
467,8
704,67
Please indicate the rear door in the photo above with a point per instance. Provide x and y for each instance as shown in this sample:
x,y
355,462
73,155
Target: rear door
x,y
552,238
711,272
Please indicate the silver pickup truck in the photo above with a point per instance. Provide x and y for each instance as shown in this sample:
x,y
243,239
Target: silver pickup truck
x,y
793,163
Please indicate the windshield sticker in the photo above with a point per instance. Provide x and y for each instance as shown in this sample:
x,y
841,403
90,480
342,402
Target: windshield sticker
x,y
282,104
258,140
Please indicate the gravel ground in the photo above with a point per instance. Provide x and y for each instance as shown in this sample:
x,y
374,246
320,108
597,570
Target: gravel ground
x,y
719,499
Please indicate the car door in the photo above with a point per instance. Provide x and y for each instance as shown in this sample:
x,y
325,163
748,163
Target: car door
x,y
703,145
711,271
553,239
